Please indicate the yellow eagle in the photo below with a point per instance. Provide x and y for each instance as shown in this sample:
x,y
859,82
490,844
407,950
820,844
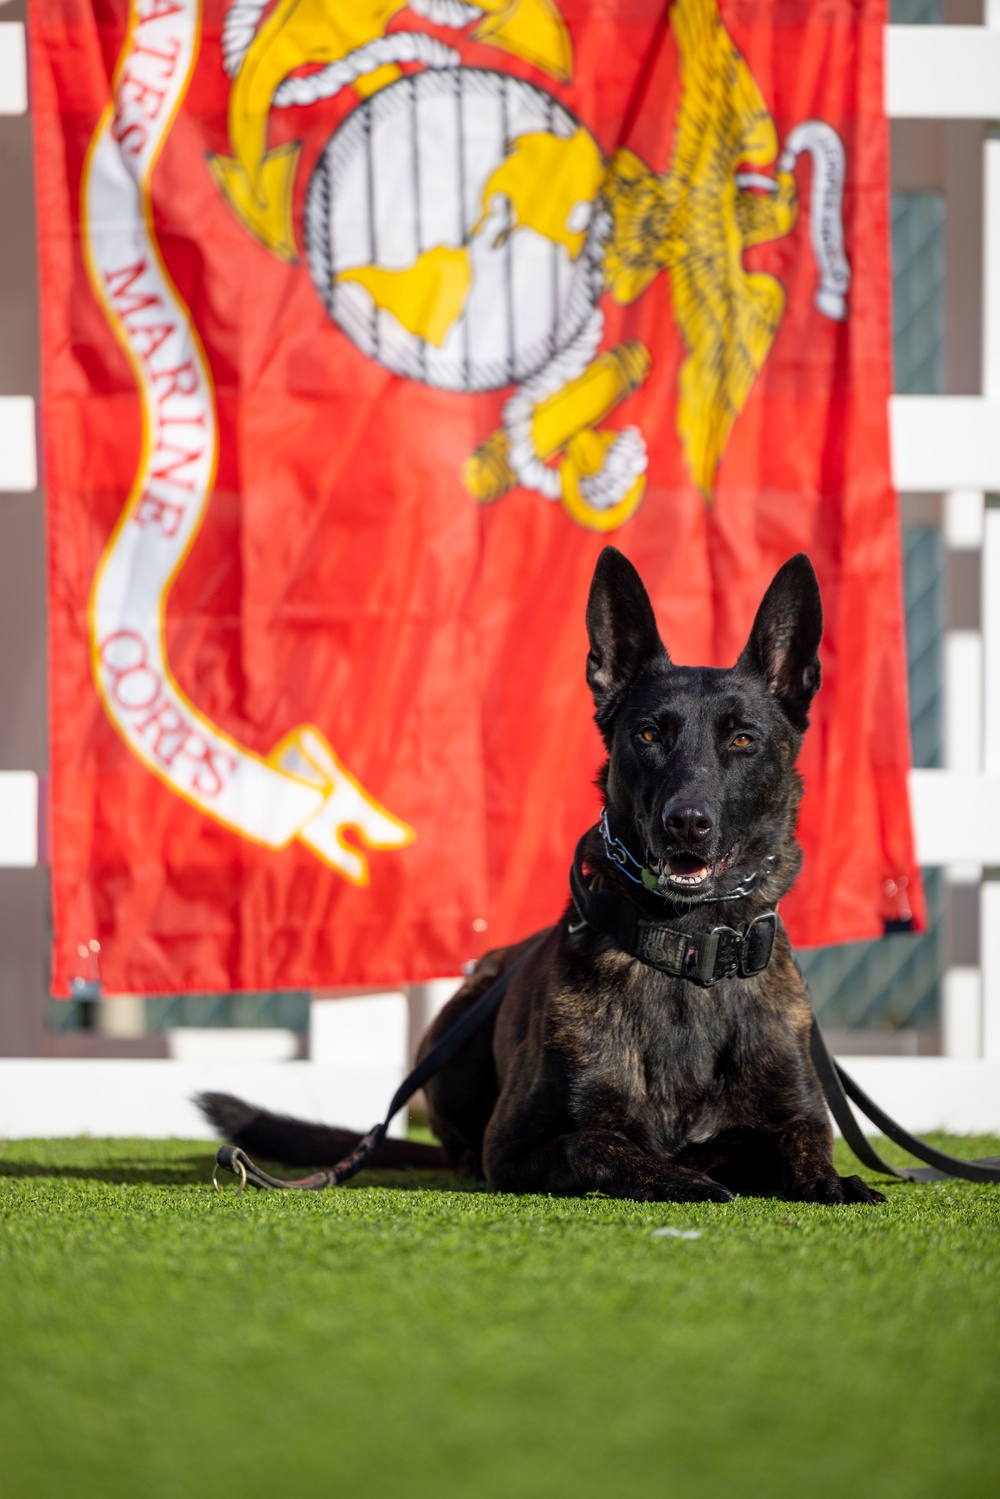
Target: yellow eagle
x,y
696,222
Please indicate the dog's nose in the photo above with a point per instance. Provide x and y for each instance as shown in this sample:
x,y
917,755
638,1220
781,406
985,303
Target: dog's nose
x,y
688,821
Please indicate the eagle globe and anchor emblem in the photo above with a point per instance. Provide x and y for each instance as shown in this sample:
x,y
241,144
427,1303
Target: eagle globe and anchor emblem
x,y
461,226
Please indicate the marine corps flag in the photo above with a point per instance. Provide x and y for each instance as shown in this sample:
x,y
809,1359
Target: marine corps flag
x,y
367,323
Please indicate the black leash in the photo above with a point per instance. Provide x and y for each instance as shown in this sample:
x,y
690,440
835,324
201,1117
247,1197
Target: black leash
x,y
839,1087
704,959
233,1159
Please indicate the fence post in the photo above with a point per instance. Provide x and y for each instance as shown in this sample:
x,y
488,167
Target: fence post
x,y
989,923
990,896
990,927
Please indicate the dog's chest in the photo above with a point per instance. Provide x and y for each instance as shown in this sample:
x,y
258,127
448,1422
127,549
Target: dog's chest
x,y
674,1065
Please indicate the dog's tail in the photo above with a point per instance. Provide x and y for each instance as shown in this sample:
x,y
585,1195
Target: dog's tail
x,y
293,1142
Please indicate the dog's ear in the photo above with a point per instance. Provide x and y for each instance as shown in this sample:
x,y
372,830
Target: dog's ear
x,y
784,642
622,630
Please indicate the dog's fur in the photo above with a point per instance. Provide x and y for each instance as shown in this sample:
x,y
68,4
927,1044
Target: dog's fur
x,y
599,1072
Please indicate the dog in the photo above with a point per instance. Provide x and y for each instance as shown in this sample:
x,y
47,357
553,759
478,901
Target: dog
x,y
654,1043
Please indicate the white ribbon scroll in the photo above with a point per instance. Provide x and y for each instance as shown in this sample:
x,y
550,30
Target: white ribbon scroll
x,y
301,790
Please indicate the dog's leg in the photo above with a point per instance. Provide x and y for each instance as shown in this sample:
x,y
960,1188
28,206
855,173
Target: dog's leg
x,y
808,1172
592,1160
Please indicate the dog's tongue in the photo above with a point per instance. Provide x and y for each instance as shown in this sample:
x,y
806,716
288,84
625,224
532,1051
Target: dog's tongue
x,y
688,868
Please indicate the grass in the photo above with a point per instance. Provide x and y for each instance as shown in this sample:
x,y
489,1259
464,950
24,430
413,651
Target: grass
x,y
407,1336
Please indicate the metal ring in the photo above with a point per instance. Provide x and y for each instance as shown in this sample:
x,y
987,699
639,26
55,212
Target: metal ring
x,y
237,1166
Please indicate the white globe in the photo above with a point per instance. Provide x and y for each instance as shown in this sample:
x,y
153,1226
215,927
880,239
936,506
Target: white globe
x,y
405,173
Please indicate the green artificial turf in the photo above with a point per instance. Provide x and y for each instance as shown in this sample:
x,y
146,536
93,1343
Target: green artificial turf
x,y
408,1336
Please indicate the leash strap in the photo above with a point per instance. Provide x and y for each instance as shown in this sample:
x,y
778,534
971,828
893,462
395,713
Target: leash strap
x,y
839,1087
233,1159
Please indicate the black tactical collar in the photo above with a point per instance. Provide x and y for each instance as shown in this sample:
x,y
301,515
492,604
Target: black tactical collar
x,y
703,957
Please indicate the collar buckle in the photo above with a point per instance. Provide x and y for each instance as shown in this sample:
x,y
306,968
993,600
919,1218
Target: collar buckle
x,y
725,951
719,956
758,943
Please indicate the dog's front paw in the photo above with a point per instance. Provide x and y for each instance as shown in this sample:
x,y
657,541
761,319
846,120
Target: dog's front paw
x,y
855,1190
689,1186
714,1192
834,1189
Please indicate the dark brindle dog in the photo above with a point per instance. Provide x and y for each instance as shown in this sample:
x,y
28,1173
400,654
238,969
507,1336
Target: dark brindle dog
x,y
653,1044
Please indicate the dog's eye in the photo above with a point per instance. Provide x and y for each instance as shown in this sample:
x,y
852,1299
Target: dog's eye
x,y
651,735
742,740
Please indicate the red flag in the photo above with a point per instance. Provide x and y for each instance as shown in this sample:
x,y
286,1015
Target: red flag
x,y
365,326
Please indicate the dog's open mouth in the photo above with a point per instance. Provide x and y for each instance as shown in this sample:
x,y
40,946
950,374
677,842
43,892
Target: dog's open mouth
x,y
688,872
